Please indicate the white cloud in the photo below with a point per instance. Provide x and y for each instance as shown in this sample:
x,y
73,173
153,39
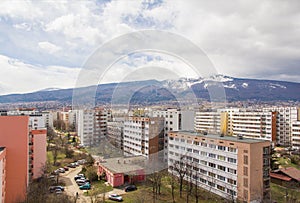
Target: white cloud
x,y
49,47
257,38
21,77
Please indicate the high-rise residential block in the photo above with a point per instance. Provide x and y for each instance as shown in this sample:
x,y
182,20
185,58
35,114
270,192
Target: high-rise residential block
x,y
231,167
143,135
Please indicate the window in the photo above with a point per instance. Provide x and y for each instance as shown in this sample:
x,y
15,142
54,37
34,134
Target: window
x,y
245,194
221,187
203,171
211,155
223,148
231,149
211,184
196,151
212,165
221,178
245,171
230,170
245,159
231,192
231,181
211,174
203,162
231,160
222,158
245,182
266,161
222,168
203,144
196,143
266,150
213,146
203,153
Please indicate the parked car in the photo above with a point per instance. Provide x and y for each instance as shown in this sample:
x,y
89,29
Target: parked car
x,y
78,177
71,166
86,186
66,168
81,182
130,188
61,170
58,191
55,188
115,197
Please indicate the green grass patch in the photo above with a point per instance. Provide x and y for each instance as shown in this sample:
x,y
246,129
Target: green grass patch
x,y
98,187
278,193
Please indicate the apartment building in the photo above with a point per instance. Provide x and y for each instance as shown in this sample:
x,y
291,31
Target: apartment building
x,y
296,134
25,156
143,135
258,125
285,117
2,173
115,133
92,125
231,167
37,119
175,119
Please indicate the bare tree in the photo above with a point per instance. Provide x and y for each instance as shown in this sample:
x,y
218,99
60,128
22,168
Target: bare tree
x,y
181,170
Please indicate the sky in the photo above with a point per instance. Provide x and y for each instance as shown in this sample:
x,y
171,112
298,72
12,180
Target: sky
x,y
46,44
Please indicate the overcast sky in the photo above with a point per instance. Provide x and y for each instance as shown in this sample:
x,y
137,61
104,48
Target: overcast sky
x,y
45,44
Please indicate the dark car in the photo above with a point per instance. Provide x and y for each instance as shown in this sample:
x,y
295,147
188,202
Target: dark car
x,y
130,188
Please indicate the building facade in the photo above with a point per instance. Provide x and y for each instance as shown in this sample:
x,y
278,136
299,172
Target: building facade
x,y
2,173
143,135
234,168
25,157
296,134
285,117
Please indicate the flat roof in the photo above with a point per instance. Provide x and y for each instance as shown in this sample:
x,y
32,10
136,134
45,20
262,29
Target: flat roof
x,y
225,137
123,164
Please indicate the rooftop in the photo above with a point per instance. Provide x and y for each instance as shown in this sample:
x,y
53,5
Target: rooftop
x,y
291,172
216,136
123,164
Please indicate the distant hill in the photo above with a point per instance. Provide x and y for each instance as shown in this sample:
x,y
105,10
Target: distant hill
x,y
153,91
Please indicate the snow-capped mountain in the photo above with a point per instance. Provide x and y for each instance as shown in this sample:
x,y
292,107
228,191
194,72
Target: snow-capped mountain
x,y
151,91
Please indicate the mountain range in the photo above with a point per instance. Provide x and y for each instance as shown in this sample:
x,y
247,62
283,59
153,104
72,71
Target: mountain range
x,y
153,91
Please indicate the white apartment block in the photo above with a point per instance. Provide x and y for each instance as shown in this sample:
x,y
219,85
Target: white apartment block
x,y
296,134
258,125
92,125
143,136
115,133
233,168
285,117
208,121
37,119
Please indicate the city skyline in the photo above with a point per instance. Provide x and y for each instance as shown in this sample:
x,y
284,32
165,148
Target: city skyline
x,y
45,44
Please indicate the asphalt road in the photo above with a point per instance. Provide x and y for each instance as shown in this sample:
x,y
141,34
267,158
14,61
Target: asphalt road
x,y
71,187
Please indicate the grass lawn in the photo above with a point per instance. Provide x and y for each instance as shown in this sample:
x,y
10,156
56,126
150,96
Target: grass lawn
x,y
98,187
144,194
278,193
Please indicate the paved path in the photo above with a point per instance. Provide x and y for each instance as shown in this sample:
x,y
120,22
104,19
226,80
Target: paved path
x,y
71,186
